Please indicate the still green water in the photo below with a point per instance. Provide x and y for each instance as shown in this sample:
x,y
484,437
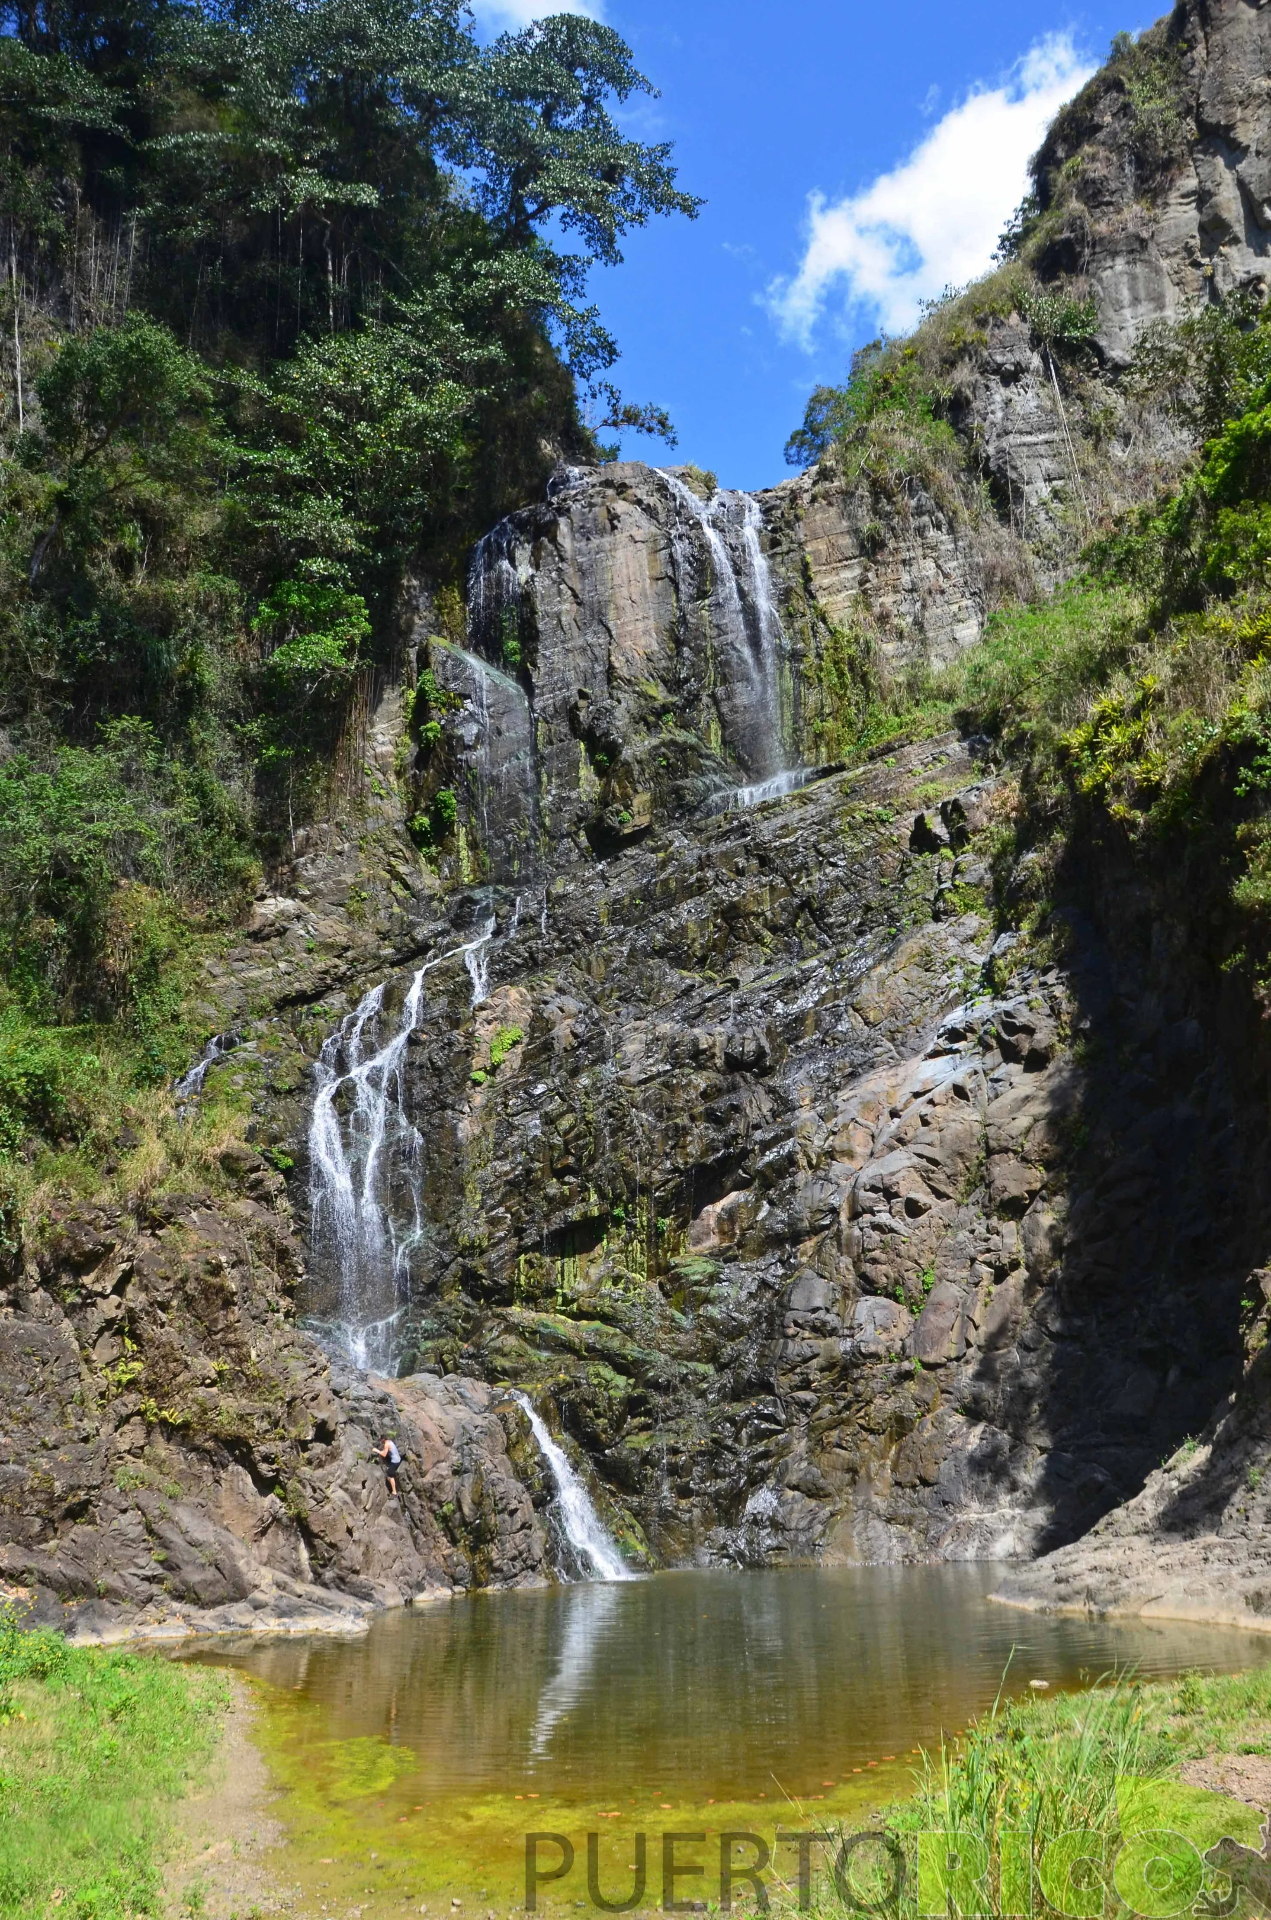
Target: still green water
x,y
411,1763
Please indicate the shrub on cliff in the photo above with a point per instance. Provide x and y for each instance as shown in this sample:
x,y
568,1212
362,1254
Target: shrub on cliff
x,y
883,426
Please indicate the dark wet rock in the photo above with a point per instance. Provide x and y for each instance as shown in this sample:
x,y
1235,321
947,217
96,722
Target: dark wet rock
x,y
823,1217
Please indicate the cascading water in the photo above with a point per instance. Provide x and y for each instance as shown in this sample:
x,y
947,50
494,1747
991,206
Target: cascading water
x,y
366,1169
190,1085
496,741
476,958
495,732
746,624
363,1167
494,588
779,787
584,1530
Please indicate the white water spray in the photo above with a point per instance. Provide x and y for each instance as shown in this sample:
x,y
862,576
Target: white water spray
x,y
476,957
779,787
366,1169
761,598
350,1174
747,624
583,1526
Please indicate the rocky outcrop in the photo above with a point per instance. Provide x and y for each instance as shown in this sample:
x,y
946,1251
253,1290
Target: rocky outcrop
x,y
179,1459
917,570
641,644
824,1214
1195,1544
1159,171
819,1223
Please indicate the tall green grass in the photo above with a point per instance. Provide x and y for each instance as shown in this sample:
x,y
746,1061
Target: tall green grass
x,y
95,1747
1046,1793
1045,1774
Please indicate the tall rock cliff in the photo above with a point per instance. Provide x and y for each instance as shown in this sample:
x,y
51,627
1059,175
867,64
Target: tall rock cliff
x,y
696,1069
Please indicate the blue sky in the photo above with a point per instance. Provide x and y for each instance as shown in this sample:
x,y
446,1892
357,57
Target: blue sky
x,y
855,158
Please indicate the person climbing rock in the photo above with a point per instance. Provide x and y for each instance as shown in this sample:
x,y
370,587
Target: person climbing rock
x,y
392,1461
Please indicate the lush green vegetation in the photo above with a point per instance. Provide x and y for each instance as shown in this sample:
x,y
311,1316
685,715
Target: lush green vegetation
x,y
1137,699
94,1748
293,306
1057,1788
885,422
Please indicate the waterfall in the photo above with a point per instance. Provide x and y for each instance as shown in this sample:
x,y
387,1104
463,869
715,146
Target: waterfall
x,y
765,606
494,589
190,1085
476,957
747,626
357,1222
366,1169
583,1527
495,734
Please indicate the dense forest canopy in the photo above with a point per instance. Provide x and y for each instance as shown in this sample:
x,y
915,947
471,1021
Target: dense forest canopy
x,y
292,303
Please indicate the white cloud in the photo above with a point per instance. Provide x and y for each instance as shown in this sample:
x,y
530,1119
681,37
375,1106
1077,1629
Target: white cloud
x,y
500,15
933,221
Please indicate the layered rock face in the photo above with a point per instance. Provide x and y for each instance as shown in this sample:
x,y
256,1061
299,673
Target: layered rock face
x,y
798,1207
642,643
820,1220
177,1458
1172,202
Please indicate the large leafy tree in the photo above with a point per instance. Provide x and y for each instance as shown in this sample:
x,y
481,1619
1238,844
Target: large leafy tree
x,y
300,166
301,287
289,172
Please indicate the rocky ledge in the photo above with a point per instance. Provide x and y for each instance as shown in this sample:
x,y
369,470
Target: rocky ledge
x,y
1195,1543
179,1458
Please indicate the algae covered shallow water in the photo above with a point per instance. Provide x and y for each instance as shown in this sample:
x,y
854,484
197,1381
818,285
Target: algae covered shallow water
x,y
411,1763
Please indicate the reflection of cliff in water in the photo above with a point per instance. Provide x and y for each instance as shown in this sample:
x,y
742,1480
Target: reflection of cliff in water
x,y
703,1684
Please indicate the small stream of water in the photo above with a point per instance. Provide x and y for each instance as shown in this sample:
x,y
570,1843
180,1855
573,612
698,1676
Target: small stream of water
x,y
593,1549
497,756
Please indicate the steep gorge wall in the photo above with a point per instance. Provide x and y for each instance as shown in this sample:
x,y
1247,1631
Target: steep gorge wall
x,y
824,1216
910,1250
824,1230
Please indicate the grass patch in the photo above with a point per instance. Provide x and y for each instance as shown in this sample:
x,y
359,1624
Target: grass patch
x,y
79,1123
1056,1789
94,1749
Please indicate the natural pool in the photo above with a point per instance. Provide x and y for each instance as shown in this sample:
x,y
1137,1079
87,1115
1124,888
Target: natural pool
x,y
412,1763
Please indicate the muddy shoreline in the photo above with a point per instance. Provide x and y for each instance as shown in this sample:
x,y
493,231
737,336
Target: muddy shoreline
x,y
225,1831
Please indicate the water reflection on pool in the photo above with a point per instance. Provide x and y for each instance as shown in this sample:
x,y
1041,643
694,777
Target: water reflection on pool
x,y
731,1698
